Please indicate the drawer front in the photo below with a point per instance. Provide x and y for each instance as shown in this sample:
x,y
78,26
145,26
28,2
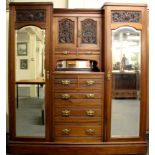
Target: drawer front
x,y
77,52
91,84
78,102
65,83
66,52
89,52
77,112
78,95
78,131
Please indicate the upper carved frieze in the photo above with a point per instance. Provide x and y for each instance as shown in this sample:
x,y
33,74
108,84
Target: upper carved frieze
x,y
126,16
30,15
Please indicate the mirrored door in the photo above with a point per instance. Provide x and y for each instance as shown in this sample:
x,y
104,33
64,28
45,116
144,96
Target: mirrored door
x,y
126,73
30,82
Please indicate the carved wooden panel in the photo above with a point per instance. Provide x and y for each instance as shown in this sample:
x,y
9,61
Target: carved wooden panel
x,y
30,15
89,30
66,31
126,16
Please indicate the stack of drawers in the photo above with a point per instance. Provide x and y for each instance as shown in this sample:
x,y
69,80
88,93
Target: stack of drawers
x,y
78,107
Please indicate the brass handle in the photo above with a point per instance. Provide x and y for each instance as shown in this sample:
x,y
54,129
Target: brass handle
x,y
90,95
66,52
90,131
90,82
89,52
65,82
65,113
108,76
90,113
79,33
66,131
66,96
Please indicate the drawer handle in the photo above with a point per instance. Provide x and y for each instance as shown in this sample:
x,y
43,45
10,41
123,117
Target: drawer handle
x,y
90,113
90,82
66,131
65,82
90,95
89,52
66,96
65,113
90,131
65,52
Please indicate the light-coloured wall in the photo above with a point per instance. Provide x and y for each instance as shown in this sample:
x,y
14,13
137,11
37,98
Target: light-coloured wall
x,y
97,3
57,3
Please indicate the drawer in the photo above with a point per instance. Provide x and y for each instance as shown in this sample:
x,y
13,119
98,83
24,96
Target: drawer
x,y
78,102
89,52
66,52
67,95
68,115
77,112
77,131
65,83
91,83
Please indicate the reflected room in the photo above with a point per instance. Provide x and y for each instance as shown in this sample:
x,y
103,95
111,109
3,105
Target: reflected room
x,y
30,82
126,70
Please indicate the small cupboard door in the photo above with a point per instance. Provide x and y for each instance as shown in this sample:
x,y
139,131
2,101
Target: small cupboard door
x,y
65,30
89,30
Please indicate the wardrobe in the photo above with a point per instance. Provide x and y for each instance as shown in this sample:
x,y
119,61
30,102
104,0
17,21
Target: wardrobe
x,y
78,79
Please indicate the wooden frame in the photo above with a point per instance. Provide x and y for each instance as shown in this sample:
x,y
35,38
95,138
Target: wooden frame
x,y
22,49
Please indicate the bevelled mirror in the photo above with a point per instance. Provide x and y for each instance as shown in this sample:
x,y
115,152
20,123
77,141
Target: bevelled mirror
x,y
30,82
126,71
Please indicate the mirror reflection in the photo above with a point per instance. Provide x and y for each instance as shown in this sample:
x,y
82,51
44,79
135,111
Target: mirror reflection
x,y
77,65
126,65
30,82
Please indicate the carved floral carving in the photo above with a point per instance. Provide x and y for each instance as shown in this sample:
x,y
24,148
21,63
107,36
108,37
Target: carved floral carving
x,y
66,31
89,28
126,16
30,15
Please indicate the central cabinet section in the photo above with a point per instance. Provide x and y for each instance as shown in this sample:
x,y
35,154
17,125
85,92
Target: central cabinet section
x,y
78,106
77,77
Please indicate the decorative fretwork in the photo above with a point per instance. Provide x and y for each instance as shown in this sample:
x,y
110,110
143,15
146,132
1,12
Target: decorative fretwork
x,y
126,16
30,15
89,28
66,31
